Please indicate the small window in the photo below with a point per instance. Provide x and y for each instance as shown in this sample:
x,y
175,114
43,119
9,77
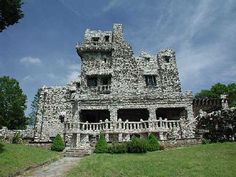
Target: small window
x,y
92,81
150,80
95,39
106,38
106,80
147,59
167,59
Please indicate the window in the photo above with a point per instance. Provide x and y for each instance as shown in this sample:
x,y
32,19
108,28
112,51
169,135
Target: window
x,y
106,80
167,59
106,38
150,80
92,81
95,39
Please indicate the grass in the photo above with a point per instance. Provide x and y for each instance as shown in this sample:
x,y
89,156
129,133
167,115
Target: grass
x,y
16,157
209,160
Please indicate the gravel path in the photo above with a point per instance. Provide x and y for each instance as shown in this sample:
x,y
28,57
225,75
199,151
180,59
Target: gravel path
x,y
55,169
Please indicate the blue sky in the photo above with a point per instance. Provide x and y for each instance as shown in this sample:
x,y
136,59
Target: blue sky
x,y
40,49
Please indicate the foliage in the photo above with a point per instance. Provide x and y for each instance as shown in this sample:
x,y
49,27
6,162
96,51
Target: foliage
x,y
34,108
153,144
218,89
10,13
18,157
12,104
17,139
1,147
220,126
118,148
205,141
58,144
101,146
208,160
137,145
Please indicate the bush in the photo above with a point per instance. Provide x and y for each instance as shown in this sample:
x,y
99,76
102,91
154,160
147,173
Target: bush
x,y
137,145
101,146
153,144
58,144
17,139
205,141
118,148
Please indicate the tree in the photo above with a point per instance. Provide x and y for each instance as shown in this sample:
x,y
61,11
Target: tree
x,y
12,104
101,146
10,13
58,144
34,108
218,89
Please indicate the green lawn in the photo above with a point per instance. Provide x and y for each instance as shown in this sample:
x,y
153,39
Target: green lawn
x,y
16,157
212,160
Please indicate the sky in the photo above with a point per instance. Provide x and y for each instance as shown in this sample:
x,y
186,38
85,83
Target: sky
x,y
40,49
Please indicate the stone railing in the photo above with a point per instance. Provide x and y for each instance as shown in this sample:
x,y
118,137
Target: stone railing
x,y
160,125
101,89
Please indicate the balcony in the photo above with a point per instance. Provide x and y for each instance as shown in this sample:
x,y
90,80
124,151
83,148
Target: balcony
x,y
160,125
94,46
101,89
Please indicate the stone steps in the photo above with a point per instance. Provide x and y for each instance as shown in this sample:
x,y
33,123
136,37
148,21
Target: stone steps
x,y
78,152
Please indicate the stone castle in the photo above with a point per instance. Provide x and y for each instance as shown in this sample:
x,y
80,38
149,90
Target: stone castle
x,y
117,94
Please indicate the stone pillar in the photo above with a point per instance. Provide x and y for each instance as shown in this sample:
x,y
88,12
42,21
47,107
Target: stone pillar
x,y
107,137
224,101
120,137
161,136
189,110
152,113
113,114
77,140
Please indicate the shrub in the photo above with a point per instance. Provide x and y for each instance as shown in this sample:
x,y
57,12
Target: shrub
x,y
137,145
162,147
153,144
58,144
101,146
17,139
118,148
205,141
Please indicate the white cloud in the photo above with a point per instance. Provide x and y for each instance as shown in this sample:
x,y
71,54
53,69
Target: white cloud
x,y
28,78
72,76
30,60
74,67
112,4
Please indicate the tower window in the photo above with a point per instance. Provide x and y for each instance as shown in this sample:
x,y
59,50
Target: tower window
x,y
95,39
92,81
167,59
150,80
106,38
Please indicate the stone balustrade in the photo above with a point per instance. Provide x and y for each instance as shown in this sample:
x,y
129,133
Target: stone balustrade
x,y
159,125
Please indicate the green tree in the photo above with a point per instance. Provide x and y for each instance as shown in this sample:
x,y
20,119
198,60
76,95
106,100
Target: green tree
x,y
12,104
10,13
34,108
218,89
58,144
101,146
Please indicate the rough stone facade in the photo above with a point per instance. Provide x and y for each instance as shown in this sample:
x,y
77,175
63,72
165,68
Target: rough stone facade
x,y
116,93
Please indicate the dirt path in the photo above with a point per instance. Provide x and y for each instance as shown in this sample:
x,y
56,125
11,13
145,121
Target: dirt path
x,y
55,169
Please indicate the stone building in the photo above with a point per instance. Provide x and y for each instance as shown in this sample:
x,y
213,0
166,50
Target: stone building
x,y
116,93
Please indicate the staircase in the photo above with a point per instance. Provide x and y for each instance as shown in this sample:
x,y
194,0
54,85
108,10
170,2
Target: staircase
x,y
78,152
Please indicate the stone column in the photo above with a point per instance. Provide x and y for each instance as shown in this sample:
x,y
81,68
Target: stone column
x,y
120,137
152,113
113,114
77,140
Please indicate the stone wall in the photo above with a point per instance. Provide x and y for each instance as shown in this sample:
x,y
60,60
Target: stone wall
x,y
147,82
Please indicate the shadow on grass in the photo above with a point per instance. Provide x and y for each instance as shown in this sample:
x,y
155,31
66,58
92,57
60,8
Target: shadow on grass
x,y
1,148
